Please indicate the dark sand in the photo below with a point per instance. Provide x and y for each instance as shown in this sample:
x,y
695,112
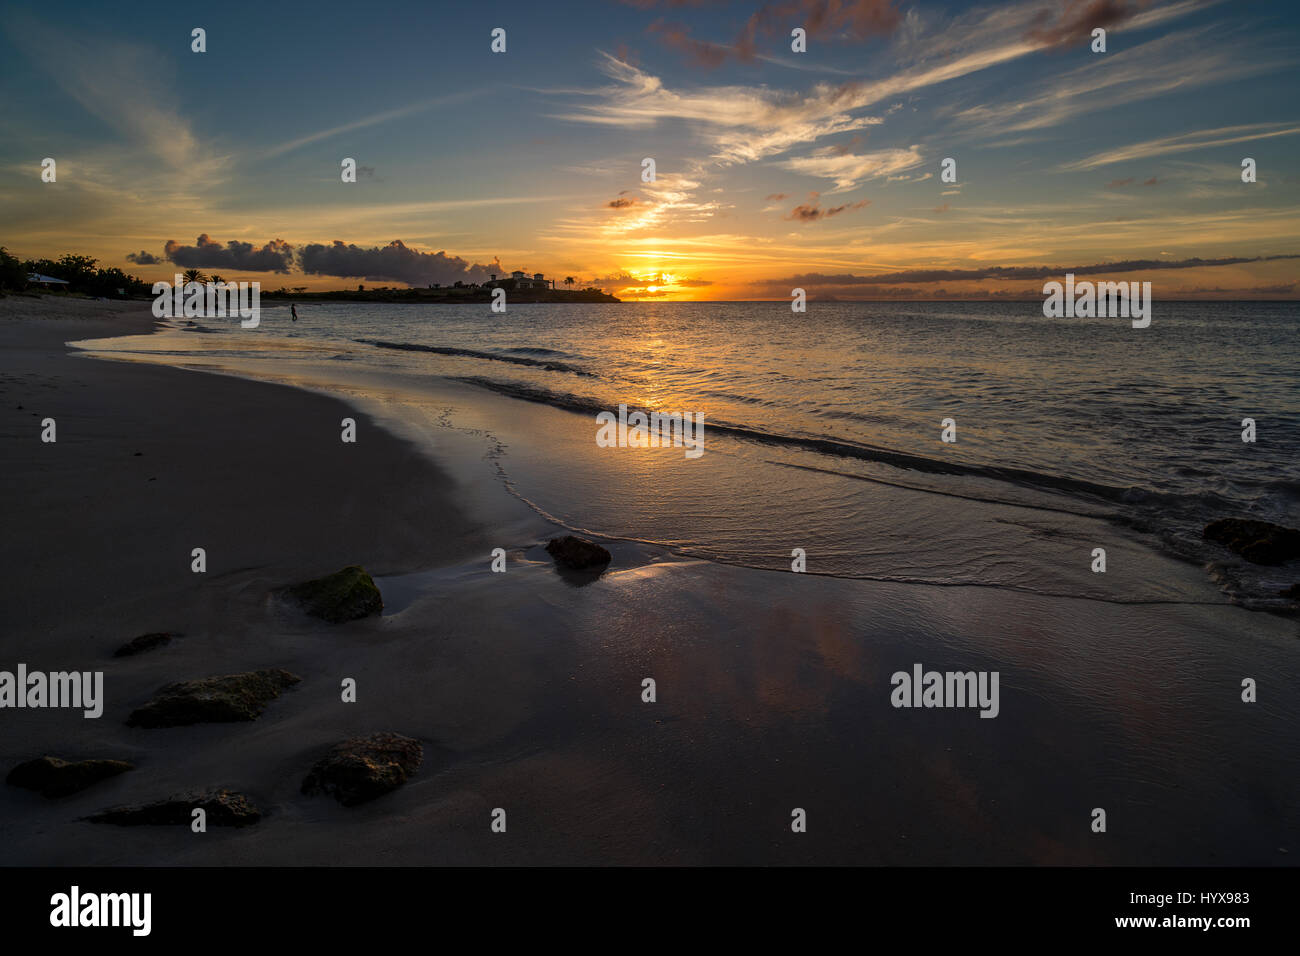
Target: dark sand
x,y
152,462
525,690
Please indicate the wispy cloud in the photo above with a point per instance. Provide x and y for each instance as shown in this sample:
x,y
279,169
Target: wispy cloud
x,y
121,84
744,124
1142,72
741,123
850,169
669,200
1201,139
372,120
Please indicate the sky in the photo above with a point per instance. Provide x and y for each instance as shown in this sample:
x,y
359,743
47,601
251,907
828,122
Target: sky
x,y
773,169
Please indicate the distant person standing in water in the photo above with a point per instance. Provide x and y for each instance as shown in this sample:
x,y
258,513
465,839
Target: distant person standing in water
x,y
293,310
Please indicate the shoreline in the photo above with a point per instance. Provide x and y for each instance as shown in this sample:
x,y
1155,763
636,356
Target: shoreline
x,y
525,690
968,517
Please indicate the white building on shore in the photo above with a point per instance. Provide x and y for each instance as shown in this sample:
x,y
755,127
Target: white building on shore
x,y
519,280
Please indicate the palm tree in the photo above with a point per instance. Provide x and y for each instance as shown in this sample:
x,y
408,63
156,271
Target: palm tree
x,y
569,280
216,279
194,275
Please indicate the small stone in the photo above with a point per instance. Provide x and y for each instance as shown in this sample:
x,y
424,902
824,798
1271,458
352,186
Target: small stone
x,y
363,768
54,777
577,553
343,596
225,699
145,642
222,808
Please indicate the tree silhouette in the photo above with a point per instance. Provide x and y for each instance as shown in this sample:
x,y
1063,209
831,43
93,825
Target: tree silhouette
x,y
194,275
569,280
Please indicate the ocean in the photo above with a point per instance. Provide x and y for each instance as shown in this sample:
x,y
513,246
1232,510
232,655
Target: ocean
x,y
823,430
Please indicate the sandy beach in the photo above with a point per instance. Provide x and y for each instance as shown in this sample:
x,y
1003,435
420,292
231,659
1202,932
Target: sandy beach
x,y
525,690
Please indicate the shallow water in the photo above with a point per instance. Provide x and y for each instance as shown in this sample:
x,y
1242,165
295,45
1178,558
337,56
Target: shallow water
x,y
822,430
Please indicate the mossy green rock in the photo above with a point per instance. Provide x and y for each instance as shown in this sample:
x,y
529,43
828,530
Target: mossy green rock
x,y
222,808
362,768
226,699
343,596
58,778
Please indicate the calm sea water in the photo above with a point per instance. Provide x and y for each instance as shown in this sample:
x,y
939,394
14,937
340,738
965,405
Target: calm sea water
x,y
823,429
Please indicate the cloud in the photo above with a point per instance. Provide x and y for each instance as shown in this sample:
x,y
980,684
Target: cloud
x,y
395,261
811,212
740,124
1015,272
1142,72
373,120
777,197
664,285
1129,181
843,149
856,19
1273,289
849,169
273,256
851,19
1074,22
669,200
628,281
747,123
942,209
1200,139
677,36
1279,289
125,85
143,258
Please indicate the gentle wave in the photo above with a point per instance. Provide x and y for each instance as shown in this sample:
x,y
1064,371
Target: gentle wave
x,y
473,353
863,452
534,350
